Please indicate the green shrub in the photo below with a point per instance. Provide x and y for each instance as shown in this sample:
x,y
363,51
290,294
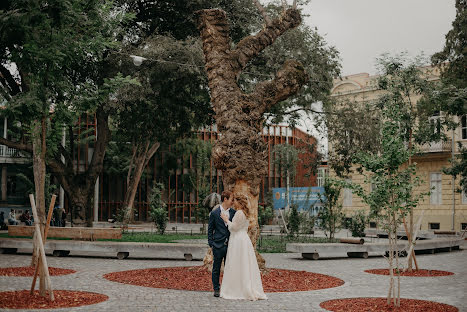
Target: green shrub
x,y
307,223
330,216
158,210
294,220
356,224
265,214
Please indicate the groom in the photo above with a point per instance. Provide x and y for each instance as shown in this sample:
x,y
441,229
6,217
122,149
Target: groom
x,y
218,236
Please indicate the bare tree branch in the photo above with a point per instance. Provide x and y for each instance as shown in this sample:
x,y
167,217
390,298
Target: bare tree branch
x,y
151,153
251,46
132,161
103,136
294,6
261,10
19,146
11,82
61,172
65,154
309,110
287,82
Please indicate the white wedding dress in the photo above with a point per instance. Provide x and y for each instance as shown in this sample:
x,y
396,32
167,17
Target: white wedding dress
x,y
242,279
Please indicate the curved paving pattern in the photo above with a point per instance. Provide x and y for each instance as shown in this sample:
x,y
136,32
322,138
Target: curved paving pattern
x,y
122,297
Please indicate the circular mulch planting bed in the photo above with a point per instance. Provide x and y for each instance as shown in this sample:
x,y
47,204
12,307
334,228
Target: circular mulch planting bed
x,y
29,271
198,278
380,305
21,299
417,273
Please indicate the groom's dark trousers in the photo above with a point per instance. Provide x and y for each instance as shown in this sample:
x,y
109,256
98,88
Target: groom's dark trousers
x,y
218,238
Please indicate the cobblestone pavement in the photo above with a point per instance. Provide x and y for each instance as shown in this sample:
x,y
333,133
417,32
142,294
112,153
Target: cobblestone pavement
x,y
449,289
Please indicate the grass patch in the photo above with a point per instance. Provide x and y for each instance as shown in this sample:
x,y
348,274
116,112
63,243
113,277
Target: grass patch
x,y
146,237
142,237
277,243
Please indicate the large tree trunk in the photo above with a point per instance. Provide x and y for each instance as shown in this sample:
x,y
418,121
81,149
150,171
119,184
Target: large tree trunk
x,y
142,153
240,152
39,150
80,200
76,184
79,186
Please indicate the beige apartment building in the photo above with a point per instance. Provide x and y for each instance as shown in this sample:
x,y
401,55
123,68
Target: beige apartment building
x,y
445,208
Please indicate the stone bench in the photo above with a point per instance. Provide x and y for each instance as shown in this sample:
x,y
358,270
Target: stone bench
x,y
315,251
80,233
121,249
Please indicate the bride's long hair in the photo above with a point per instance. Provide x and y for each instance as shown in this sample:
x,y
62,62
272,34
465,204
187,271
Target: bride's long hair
x,y
244,202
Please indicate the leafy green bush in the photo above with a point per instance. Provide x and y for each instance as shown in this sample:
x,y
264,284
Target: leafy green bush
x,y
330,217
265,214
158,210
307,223
356,224
294,220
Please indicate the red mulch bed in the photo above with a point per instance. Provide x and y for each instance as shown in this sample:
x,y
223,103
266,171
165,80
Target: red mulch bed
x,y
29,271
198,278
380,305
416,273
21,299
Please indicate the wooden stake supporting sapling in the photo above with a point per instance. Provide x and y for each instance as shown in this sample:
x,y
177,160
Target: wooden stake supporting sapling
x,y
38,235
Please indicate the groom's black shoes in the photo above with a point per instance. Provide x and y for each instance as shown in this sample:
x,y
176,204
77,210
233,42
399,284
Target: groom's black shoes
x,y
216,293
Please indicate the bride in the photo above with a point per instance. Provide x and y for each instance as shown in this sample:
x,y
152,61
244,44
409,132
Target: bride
x,y
242,279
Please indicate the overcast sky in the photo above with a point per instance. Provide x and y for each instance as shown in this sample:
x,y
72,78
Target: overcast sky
x,y
364,29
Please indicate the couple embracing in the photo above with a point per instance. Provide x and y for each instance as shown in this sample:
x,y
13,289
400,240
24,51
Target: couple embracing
x,y
229,240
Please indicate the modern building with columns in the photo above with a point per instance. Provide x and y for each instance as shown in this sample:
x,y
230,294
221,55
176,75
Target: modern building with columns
x,y
445,208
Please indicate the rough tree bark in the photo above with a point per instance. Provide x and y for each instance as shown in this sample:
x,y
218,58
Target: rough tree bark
x,y
142,153
39,151
240,152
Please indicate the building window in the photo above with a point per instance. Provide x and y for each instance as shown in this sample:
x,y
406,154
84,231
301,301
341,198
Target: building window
x,y
464,197
372,224
322,173
433,226
435,122
463,226
464,127
435,185
347,195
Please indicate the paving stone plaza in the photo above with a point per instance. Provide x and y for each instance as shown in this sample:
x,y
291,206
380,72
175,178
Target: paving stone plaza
x,y
89,271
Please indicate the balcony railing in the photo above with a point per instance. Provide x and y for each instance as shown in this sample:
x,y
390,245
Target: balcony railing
x,y
6,151
436,147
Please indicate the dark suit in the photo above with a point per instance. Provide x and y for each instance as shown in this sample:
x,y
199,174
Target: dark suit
x,y
218,237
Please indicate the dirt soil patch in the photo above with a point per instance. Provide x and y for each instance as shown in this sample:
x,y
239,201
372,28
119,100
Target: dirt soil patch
x,y
416,273
198,278
29,271
21,299
380,305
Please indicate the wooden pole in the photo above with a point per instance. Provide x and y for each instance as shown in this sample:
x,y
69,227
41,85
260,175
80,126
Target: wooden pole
x,y
359,241
414,238
47,225
412,254
41,247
